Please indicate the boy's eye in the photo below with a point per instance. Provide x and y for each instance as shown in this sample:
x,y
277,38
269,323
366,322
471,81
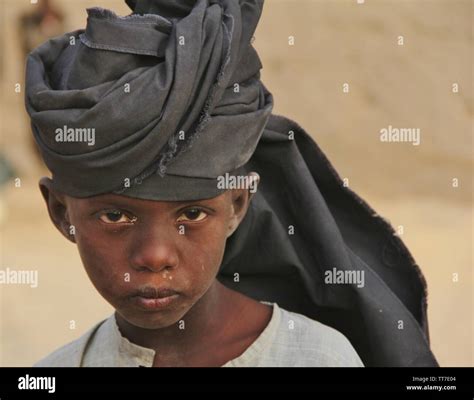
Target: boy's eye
x,y
193,214
115,217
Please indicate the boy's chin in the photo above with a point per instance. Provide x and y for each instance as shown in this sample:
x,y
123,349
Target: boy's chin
x,y
152,320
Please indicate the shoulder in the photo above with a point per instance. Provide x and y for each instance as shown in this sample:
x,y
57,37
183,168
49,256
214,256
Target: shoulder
x,y
302,342
71,354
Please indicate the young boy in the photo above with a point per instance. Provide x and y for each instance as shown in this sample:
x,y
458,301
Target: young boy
x,y
156,262
156,128
170,308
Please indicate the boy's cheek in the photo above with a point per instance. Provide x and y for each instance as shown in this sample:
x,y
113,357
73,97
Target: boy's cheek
x,y
105,276
102,264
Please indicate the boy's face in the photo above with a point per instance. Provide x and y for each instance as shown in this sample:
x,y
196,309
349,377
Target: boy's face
x,y
134,250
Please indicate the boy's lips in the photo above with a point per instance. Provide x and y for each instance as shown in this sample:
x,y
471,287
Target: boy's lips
x,y
152,298
151,292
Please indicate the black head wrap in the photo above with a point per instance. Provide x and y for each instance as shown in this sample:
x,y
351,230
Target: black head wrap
x,y
157,94
195,109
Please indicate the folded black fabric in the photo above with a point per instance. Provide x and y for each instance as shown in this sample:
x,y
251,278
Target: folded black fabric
x,y
148,87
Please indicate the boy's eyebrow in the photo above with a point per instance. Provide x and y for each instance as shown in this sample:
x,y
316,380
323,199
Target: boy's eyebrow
x,y
132,202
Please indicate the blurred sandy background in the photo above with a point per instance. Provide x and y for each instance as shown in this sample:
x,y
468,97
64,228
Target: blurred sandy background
x,y
335,42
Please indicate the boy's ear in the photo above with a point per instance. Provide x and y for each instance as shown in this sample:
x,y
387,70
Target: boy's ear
x,y
57,208
240,202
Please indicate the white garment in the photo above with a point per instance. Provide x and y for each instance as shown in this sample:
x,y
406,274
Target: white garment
x,y
289,340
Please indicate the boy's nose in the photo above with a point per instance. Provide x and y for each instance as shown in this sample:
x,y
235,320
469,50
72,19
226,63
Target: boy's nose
x,y
155,252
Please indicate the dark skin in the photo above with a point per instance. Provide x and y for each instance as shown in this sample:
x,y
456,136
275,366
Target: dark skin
x,y
128,244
